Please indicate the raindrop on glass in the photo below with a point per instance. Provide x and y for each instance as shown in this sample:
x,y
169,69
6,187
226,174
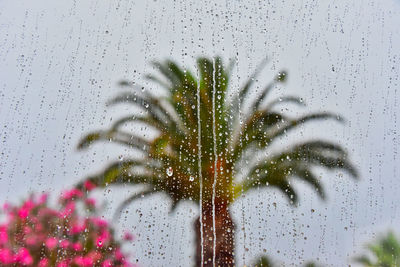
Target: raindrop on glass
x,y
170,171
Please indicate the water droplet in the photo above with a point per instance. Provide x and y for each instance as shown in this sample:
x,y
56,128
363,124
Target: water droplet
x,y
191,178
170,171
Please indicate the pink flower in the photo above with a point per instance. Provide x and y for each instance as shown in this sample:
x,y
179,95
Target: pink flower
x,y
83,261
23,213
128,236
77,228
38,227
102,238
6,256
69,209
44,211
100,242
78,260
91,202
70,194
6,206
31,240
64,244
64,263
94,255
43,262
43,198
89,185
106,263
3,234
87,261
99,222
118,254
26,208
77,246
27,230
24,257
51,243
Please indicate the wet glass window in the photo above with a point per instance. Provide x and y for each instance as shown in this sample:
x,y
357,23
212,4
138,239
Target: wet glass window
x,y
199,133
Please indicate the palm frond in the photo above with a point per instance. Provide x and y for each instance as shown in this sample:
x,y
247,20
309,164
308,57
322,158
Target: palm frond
x,y
157,80
267,134
365,261
280,77
124,83
243,91
285,100
289,191
153,108
276,170
229,67
168,73
306,175
121,173
254,129
291,124
114,136
181,91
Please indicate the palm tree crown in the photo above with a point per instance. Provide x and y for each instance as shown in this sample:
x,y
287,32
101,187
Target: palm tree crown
x,y
198,122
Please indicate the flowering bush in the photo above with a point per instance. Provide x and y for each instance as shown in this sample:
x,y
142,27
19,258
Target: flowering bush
x,y
34,234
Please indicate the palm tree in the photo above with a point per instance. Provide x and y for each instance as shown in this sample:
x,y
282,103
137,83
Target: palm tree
x,y
386,253
204,139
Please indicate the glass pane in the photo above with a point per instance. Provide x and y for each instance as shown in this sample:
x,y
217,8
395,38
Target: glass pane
x,y
215,133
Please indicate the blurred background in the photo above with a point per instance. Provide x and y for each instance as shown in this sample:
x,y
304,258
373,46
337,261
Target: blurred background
x,y
61,62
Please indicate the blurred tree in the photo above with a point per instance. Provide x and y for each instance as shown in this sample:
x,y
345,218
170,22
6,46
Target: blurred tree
x,y
204,140
263,261
311,264
386,253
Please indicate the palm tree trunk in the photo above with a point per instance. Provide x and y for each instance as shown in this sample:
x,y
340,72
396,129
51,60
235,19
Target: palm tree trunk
x,y
224,231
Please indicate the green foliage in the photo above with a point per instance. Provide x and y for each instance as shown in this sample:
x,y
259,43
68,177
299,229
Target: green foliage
x,y
312,264
263,261
201,118
386,252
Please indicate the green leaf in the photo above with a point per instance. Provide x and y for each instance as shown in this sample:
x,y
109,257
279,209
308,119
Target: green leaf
x,y
285,100
114,136
246,87
121,173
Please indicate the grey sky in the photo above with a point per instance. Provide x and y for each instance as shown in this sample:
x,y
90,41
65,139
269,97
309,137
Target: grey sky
x,y
60,62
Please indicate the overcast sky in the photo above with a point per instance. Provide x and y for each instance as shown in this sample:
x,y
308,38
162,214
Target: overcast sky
x,y
61,60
